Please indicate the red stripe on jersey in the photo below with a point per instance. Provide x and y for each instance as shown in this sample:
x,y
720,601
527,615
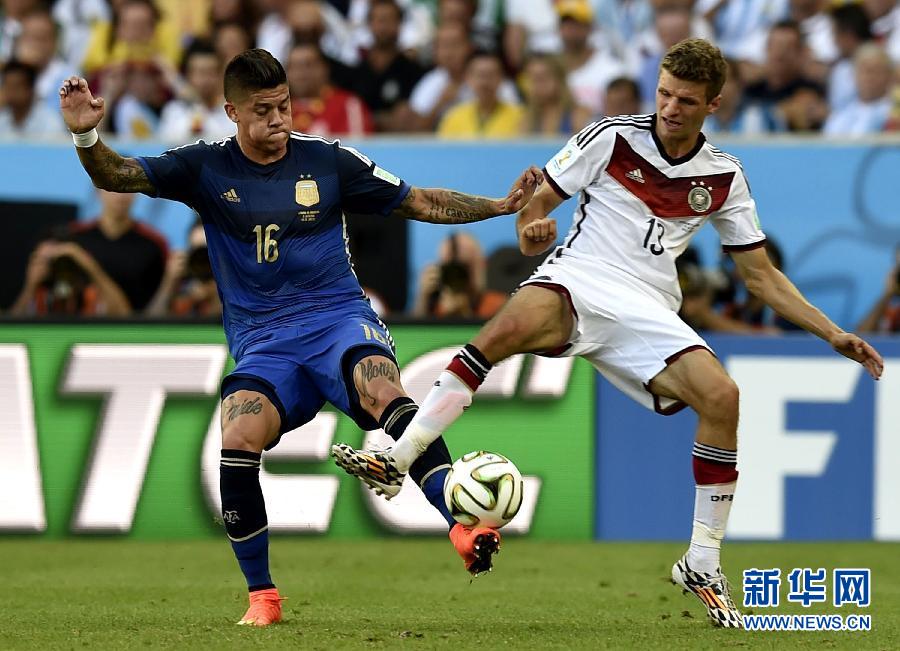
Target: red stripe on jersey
x,y
667,198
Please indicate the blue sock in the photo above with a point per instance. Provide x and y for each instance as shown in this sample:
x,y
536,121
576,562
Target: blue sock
x,y
244,513
434,463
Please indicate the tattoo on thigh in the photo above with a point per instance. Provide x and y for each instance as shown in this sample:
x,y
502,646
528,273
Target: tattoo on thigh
x,y
367,371
233,408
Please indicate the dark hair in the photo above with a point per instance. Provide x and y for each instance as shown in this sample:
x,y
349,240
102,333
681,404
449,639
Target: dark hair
x,y
14,65
625,82
197,47
390,3
697,60
117,16
852,18
480,53
791,25
252,70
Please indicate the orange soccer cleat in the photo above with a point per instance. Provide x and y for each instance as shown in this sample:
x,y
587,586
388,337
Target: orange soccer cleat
x,y
265,608
477,547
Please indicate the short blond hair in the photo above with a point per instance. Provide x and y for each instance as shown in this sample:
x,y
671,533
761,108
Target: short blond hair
x,y
696,59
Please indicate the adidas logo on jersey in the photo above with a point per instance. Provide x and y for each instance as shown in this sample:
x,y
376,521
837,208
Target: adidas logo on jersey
x,y
635,175
231,195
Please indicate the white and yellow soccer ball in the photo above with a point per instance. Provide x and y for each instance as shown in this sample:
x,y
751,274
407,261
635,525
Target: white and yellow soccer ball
x,y
483,489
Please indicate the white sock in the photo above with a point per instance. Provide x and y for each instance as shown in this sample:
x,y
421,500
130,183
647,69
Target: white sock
x,y
444,404
711,508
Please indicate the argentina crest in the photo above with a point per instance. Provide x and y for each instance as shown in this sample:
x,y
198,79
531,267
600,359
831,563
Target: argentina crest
x,y
307,192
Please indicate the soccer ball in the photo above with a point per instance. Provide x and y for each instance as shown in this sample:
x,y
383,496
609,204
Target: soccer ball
x,y
483,489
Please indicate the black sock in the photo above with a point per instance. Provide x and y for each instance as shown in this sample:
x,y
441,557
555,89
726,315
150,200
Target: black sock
x,y
244,513
430,470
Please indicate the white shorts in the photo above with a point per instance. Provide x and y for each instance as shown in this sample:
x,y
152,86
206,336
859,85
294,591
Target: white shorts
x,y
625,328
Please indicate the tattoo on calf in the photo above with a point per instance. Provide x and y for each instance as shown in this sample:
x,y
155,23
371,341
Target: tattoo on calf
x,y
367,371
233,409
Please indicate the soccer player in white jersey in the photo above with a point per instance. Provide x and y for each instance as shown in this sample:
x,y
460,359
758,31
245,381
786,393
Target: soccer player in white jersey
x,y
610,294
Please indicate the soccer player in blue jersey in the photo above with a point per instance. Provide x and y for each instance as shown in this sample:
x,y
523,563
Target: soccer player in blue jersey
x,y
297,323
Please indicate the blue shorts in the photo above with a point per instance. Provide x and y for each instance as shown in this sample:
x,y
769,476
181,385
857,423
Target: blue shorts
x,y
302,365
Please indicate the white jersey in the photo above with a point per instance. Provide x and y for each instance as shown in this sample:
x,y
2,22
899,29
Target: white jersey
x,y
639,208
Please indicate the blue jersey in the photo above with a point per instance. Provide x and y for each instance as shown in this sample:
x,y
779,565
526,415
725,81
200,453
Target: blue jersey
x,y
276,233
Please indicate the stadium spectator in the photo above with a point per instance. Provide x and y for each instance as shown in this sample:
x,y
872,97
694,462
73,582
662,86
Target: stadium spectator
x,y
136,33
37,46
242,12
445,86
869,112
532,27
481,19
784,95
139,107
24,115
672,24
63,279
851,29
76,19
818,33
697,298
549,107
733,114
455,286
622,97
416,30
624,21
190,20
385,78
734,301
199,111
486,116
885,313
230,39
188,287
740,26
317,107
11,16
590,69
885,17
131,253
290,21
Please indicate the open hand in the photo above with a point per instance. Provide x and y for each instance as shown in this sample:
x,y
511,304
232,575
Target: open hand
x,y
521,192
849,345
81,110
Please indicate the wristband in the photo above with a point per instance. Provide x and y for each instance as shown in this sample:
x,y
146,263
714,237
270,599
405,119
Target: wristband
x,y
86,139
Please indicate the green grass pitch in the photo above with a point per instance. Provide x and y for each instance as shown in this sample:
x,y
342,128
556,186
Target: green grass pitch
x,y
407,594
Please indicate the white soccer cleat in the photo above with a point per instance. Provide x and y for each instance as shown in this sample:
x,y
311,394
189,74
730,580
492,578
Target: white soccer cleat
x,y
713,590
375,468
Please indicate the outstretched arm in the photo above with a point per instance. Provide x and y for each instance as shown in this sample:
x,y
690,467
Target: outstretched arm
x,y
440,206
107,169
779,293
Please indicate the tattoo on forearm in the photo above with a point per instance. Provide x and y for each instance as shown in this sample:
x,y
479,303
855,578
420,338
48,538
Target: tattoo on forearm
x,y
440,206
233,408
367,371
111,171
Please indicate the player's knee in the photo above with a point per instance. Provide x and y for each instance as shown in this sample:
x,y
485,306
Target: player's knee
x,y
240,436
722,400
507,334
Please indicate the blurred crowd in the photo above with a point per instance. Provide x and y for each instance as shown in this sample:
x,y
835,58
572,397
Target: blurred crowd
x,y
458,68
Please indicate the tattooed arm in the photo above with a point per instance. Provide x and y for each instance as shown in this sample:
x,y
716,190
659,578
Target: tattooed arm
x,y
440,206
107,169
